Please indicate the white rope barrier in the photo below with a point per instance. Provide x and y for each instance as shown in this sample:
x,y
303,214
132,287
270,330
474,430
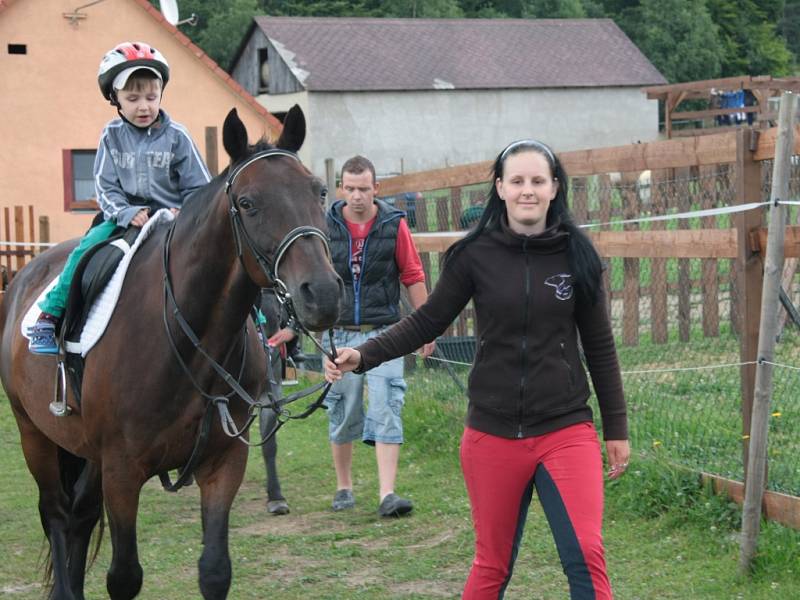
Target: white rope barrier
x,y
34,244
707,212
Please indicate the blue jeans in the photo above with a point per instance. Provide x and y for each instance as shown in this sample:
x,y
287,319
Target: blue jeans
x,y
386,396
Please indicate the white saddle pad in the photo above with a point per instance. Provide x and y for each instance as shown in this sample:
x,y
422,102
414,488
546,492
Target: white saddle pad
x,y
103,308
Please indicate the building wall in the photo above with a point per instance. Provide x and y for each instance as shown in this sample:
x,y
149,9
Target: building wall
x,y
421,130
247,70
50,99
281,103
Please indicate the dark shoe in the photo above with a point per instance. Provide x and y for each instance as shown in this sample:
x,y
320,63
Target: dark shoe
x,y
395,506
43,337
343,500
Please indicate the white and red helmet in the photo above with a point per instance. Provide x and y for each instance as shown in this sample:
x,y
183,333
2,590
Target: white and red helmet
x,y
119,63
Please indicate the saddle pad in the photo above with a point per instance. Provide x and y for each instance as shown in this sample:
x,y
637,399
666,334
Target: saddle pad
x,y
103,308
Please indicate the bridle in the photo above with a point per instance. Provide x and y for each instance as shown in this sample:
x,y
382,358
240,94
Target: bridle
x,y
270,267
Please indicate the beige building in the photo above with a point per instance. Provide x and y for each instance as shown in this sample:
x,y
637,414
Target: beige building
x,y
53,111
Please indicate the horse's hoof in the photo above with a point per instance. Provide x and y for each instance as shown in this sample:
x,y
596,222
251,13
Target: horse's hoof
x,y
277,507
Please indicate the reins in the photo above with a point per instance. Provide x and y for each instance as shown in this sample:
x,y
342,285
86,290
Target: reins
x,y
270,269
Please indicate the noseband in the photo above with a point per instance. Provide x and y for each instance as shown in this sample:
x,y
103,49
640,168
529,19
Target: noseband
x,y
268,266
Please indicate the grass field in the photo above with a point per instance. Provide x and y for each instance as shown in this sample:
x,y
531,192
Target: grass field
x,y
666,537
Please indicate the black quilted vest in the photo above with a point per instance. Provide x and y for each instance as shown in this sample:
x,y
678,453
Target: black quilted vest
x,y
376,300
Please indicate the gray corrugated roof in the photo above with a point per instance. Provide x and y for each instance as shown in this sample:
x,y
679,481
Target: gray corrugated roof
x,y
338,54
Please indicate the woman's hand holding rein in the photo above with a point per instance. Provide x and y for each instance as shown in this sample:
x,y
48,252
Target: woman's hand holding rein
x,y
347,359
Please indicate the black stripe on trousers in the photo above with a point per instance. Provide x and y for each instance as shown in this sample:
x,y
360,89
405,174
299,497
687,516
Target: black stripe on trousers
x,y
569,549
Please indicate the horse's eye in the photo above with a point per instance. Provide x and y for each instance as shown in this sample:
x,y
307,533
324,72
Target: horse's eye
x,y
323,194
245,204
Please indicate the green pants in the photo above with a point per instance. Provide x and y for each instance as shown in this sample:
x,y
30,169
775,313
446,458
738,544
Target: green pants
x,y
55,301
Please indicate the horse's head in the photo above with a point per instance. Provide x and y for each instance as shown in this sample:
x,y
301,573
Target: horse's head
x,y
277,208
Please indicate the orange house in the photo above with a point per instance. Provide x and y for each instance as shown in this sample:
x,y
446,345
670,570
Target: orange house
x,y
53,112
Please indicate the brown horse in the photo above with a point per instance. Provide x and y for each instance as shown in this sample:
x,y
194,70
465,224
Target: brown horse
x,y
140,409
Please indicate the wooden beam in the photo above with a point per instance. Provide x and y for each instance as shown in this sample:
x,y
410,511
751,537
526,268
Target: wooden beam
x,y
436,179
437,241
701,150
677,243
696,115
686,243
765,150
791,246
700,131
660,92
777,507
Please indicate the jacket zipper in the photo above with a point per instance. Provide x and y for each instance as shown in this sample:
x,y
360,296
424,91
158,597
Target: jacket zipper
x,y
524,339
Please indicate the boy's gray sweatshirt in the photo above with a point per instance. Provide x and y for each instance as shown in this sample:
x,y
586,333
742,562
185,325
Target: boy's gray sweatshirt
x,y
155,167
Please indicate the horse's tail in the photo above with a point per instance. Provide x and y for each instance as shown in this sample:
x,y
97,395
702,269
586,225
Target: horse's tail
x,y
76,478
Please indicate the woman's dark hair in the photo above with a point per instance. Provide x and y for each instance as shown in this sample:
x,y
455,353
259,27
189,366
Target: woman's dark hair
x,y
584,262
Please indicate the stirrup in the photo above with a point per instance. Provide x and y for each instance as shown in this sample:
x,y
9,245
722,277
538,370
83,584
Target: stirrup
x,y
59,407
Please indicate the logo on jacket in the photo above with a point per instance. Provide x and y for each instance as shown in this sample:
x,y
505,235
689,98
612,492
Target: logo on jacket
x,y
562,284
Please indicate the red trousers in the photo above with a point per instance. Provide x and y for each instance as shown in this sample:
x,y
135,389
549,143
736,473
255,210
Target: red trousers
x,y
566,468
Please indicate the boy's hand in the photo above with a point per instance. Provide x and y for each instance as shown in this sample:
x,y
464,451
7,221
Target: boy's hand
x,y
281,337
141,218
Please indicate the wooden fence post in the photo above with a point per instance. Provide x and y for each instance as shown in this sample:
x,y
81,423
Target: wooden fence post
x,y
212,156
604,193
630,270
7,234
773,268
710,275
682,177
44,231
330,179
19,236
748,267
659,286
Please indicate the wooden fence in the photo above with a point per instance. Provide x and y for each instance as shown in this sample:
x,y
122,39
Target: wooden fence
x,y
19,244
736,157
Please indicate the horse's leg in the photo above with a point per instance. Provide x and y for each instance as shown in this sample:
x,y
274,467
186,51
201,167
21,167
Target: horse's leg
x,y
41,456
276,503
87,509
121,489
219,480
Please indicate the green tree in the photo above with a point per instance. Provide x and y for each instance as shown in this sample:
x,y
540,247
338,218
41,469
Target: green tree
x,y
421,9
225,29
316,8
553,9
750,40
684,47
789,27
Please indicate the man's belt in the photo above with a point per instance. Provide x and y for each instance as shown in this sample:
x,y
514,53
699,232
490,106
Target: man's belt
x,y
361,328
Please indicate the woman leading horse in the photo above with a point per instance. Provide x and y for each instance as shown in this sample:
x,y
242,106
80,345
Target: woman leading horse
x,y
147,382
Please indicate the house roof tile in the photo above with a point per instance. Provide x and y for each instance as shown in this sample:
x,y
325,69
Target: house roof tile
x,y
347,54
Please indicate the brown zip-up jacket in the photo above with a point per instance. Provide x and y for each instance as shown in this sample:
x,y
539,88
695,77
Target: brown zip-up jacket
x,y
527,377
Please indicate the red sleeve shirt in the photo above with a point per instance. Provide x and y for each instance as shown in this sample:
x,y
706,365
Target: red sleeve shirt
x,y
407,257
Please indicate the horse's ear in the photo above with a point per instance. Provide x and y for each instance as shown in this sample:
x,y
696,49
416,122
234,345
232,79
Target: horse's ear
x,y
294,130
234,136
